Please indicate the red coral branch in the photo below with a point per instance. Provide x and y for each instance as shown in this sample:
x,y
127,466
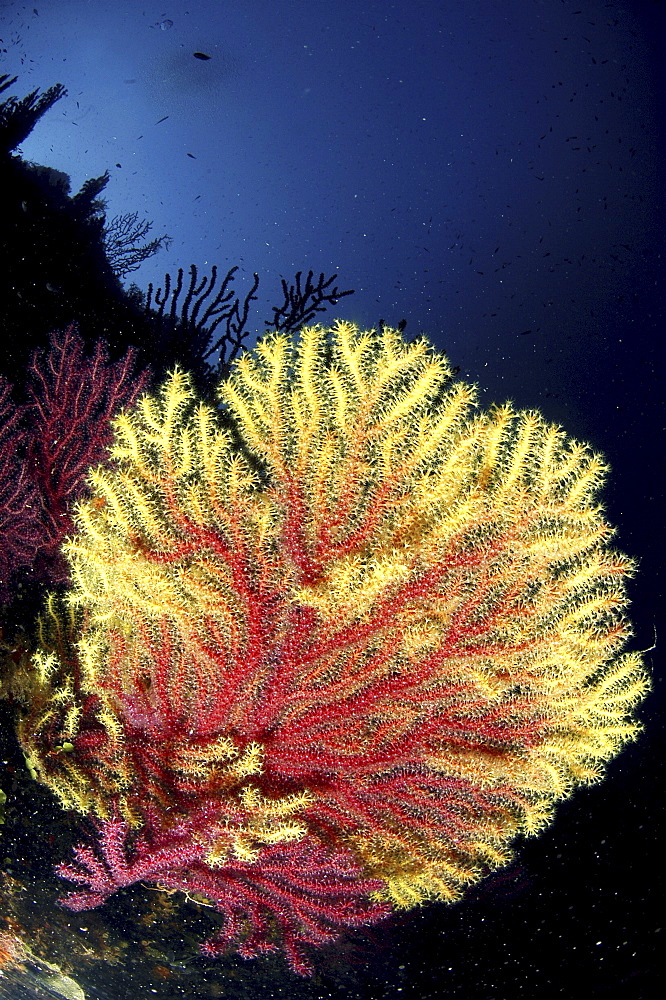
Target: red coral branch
x,y
20,506
72,400
301,893
48,445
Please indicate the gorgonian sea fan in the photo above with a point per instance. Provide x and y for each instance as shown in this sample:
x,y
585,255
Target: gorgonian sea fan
x,y
47,446
359,621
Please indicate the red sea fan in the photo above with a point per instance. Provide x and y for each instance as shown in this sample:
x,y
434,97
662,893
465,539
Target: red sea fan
x,y
301,890
20,507
48,445
342,664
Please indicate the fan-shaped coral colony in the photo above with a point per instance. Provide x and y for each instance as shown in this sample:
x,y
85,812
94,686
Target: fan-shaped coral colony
x,y
328,650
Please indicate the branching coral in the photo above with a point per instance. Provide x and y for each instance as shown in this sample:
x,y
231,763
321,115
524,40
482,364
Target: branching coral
x,y
363,626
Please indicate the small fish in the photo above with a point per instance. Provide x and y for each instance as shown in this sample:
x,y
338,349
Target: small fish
x,y
201,55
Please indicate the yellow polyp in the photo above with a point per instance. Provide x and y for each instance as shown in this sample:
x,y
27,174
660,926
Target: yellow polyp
x,y
282,833
45,665
218,855
71,721
244,850
410,878
250,762
111,723
245,842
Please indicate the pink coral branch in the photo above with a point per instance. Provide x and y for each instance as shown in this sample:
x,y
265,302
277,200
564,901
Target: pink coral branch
x,y
20,506
48,445
308,892
72,399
